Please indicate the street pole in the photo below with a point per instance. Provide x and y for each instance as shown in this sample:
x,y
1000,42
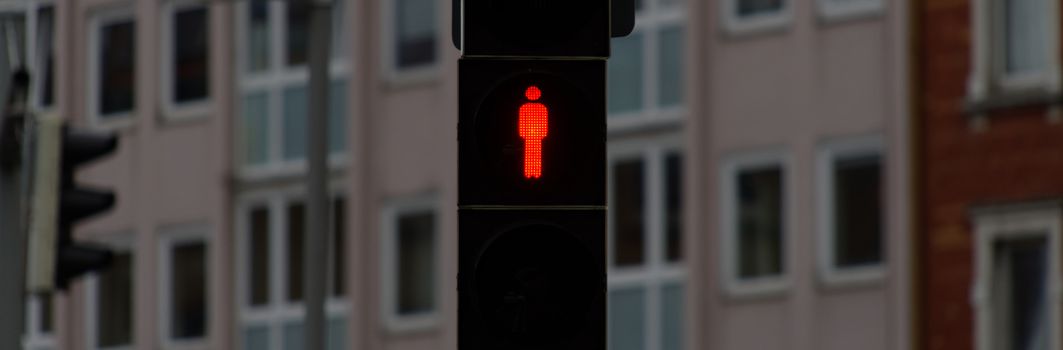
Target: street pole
x,y
315,252
12,229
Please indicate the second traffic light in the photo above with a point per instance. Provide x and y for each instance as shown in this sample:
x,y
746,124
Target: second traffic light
x,y
77,202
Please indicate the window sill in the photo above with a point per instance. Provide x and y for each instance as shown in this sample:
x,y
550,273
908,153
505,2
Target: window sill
x,y
741,27
1000,101
399,79
757,289
832,12
859,277
413,324
183,113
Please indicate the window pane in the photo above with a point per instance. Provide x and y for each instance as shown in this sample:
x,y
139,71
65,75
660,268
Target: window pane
x,y
114,300
293,336
259,262
672,317
189,291
47,322
295,109
256,128
258,35
339,28
416,263
857,211
191,59
337,334
628,238
1027,39
625,74
758,7
117,67
46,54
1020,290
670,67
339,247
627,311
298,32
337,123
296,226
673,207
760,222
256,338
416,32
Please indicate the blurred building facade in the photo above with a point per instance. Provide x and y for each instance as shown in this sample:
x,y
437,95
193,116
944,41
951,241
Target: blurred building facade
x,y
798,232
987,174
757,173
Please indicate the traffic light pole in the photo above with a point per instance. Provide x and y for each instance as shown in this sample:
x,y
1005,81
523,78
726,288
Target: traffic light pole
x,y
315,252
12,228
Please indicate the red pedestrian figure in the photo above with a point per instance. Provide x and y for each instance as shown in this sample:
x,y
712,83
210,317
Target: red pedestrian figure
x,y
533,126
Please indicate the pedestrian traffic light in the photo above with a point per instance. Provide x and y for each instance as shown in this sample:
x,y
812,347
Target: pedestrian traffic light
x,y
532,132
77,203
531,174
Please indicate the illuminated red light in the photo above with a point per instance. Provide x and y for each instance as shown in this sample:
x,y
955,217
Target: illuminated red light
x,y
533,128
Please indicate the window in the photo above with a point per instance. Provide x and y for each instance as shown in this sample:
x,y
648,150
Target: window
x,y
1018,266
111,312
646,279
411,260
40,324
414,36
646,68
112,65
754,223
272,287
273,88
1016,47
753,16
44,56
184,285
186,56
850,213
12,45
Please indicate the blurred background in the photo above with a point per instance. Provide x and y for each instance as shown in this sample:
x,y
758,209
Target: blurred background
x,y
783,174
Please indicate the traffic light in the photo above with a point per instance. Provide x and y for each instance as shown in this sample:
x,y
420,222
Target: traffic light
x,y
77,203
59,203
531,174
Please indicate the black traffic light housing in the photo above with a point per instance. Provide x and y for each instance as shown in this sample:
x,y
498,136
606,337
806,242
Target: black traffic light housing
x,y
531,279
77,203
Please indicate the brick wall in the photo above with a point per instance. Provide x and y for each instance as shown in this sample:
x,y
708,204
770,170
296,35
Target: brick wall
x,y
1017,157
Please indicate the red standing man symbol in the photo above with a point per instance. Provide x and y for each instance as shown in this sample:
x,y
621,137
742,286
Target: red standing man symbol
x,y
533,126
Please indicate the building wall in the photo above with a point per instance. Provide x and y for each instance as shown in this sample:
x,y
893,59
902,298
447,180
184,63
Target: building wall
x,y
966,160
790,89
166,173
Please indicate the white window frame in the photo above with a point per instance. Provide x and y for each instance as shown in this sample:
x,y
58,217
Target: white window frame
x,y
278,311
841,10
98,19
168,239
36,338
649,22
395,322
737,25
124,243
830,273
1010,222
656,272
731,166
34,62
396,76
988,77
272,82
173,110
